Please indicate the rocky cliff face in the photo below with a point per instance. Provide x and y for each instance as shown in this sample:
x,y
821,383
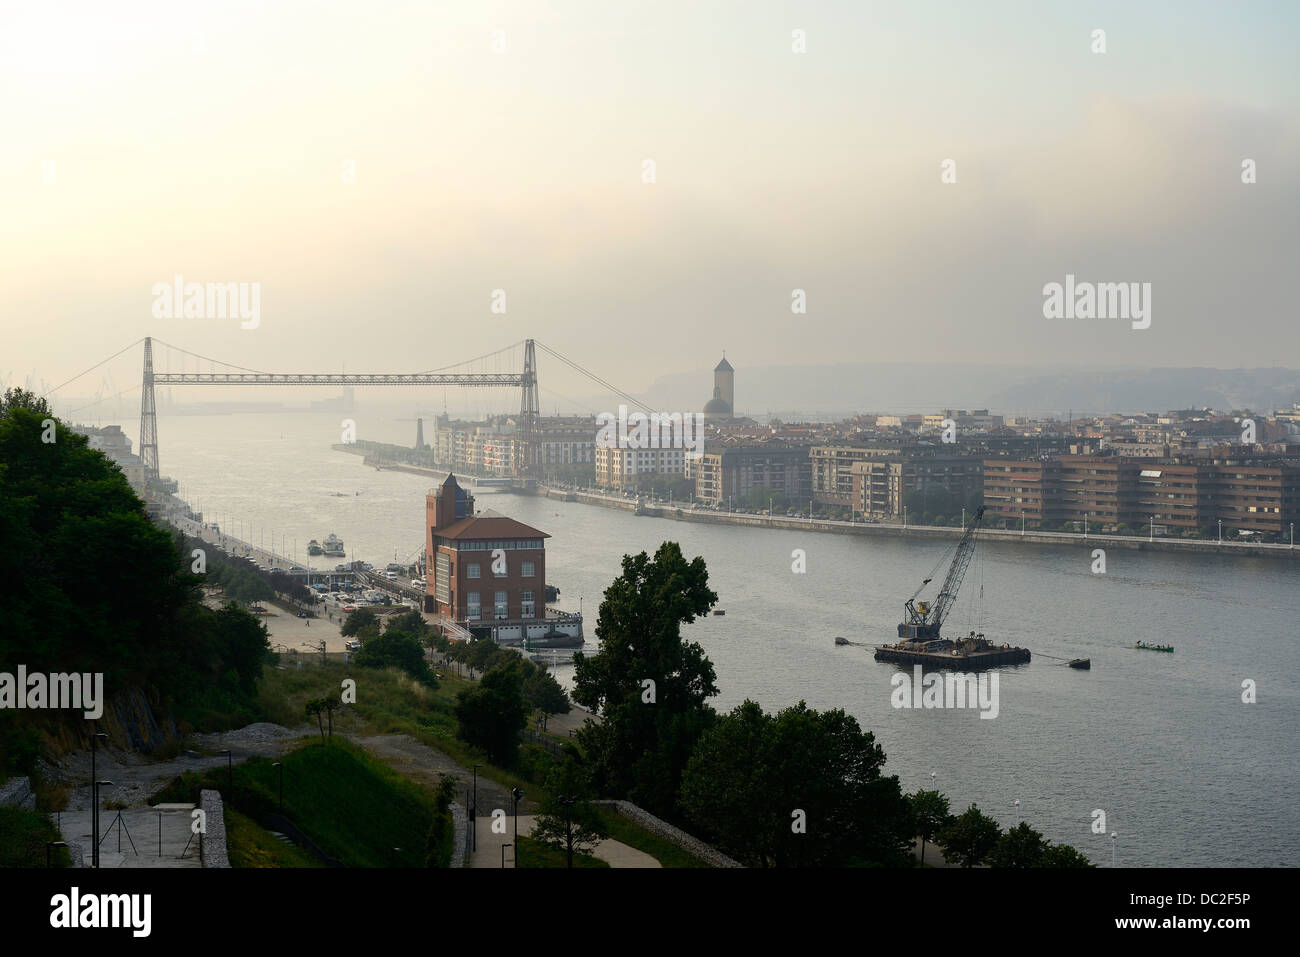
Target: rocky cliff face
x,y
130,720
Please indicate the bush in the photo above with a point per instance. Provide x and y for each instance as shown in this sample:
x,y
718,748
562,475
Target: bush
x,y
442,831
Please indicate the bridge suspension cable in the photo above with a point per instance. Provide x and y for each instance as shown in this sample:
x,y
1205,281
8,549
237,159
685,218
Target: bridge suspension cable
x,y
594,378
94,367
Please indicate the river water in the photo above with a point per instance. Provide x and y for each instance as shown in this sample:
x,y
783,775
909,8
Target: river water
x,y
1185,772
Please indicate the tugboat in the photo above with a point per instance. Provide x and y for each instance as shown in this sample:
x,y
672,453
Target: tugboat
x,y
919,640
313,548
334,546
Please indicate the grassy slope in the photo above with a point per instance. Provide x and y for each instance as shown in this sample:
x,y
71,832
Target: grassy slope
x,y
250,845
534,854
355,808
23,835
388,702
626,832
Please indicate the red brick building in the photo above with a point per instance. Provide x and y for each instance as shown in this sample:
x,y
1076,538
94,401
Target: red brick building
x,y
484,568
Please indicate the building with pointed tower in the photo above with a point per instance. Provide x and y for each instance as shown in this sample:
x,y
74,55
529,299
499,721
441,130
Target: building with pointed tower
x,y
723,403
487,571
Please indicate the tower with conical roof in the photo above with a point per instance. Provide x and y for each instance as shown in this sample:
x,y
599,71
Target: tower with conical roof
x,y
724,389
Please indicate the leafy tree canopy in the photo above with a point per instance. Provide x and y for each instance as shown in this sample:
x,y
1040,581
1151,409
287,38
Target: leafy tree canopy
x,y
650,686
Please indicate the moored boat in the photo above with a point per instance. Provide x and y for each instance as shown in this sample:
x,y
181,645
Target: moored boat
x,y
1143,646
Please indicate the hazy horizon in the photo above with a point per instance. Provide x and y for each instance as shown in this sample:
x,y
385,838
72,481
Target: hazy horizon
x,y
213,143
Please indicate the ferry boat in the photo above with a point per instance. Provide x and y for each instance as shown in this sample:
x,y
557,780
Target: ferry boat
x,y
334,546
313,548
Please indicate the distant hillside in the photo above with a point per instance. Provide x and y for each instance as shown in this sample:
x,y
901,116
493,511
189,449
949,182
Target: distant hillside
x,y
835,391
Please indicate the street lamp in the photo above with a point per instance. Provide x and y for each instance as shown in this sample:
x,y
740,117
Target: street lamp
x,y
473,811
94,794
1022,523
280,765
94,854
230,767
1018,815
516,794
1153,528
1221,531
1114,849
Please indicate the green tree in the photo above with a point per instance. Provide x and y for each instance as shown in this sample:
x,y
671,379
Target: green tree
x,y
930,811
411,622
650,687
491,714
568,820
970,837
801,788
543,692
313,708
331,703
1063,855
16,398
396,649
1020,846
362,618
481,653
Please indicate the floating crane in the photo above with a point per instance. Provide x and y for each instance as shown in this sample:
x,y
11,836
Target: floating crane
x,y
919,640
924,619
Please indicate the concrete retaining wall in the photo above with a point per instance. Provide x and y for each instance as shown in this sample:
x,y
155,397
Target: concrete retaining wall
x,y
654,825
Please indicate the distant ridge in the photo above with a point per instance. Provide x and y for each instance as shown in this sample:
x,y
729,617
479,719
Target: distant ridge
x,y
837,391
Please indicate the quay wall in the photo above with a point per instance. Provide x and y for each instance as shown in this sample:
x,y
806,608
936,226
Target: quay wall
x,y
936,532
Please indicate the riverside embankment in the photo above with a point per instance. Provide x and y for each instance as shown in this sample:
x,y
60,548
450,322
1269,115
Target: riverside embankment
x,y
685,513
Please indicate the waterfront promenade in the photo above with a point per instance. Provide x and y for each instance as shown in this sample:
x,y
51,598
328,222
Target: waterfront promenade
x,y
687,513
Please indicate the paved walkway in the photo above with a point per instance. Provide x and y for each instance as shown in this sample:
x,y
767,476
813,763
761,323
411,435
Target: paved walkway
x,y
141,843
489,844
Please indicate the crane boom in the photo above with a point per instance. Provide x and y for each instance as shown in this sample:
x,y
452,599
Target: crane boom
x,y
924,622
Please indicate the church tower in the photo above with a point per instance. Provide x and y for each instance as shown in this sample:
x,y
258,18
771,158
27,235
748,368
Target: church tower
x,y
724,381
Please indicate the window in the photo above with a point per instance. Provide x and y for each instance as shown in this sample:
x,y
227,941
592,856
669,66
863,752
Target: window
x,y
472,608
528,609
471,571
502,608
528,570
442,578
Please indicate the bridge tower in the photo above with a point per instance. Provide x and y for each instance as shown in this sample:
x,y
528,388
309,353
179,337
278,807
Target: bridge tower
x,y
148,418
529,411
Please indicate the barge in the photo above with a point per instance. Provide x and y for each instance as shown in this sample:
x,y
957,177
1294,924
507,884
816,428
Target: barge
x,y
919,638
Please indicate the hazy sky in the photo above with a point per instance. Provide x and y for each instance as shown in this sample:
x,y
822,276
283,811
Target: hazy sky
x,y
209,140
